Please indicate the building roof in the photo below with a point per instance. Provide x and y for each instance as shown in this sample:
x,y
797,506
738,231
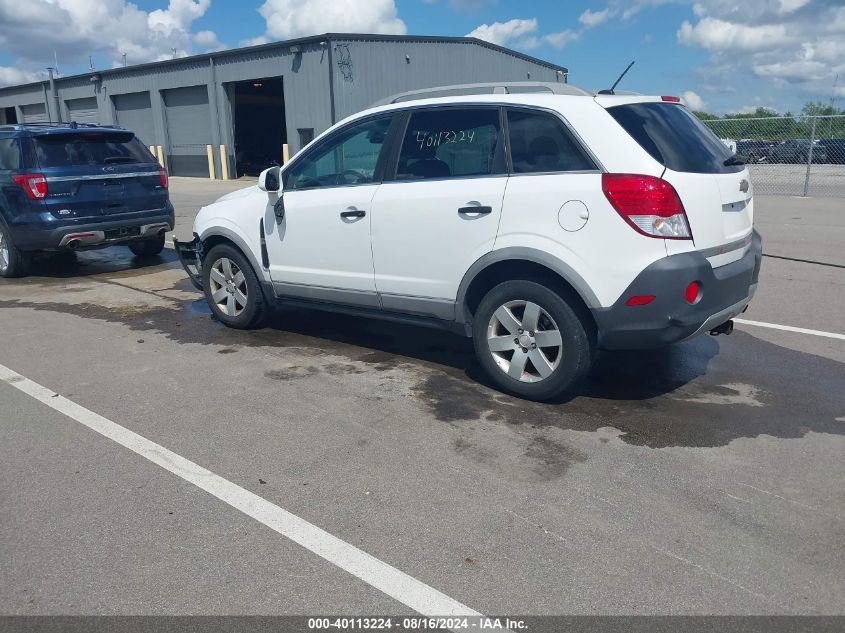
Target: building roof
x,y
325,37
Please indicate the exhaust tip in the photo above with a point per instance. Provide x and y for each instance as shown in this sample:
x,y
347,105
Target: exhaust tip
x,y
73,244
726,328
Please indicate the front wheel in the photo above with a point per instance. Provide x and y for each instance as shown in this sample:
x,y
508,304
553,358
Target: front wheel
x,y
530,341
231,288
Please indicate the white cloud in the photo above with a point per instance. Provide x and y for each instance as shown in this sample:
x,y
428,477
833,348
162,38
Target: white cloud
x,y
591,19
693,100
562,38
503,32
10,76
296,18
522,34
786,42
715,34
32,30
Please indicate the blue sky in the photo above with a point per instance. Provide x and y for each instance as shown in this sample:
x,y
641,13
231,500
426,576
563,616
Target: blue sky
x,y
721,55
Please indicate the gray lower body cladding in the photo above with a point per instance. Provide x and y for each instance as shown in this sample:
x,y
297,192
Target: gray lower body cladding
x,y
725,291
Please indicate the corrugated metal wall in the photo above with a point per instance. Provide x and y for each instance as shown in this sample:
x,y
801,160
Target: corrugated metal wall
x,y
365,72
357,71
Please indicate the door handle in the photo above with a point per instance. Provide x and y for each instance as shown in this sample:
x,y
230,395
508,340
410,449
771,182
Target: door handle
x,y
474,209
353,213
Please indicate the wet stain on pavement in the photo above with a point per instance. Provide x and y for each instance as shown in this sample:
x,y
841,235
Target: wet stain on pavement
x,y
702,393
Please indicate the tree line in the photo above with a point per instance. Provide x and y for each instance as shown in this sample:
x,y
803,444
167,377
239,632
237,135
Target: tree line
x,y
767,124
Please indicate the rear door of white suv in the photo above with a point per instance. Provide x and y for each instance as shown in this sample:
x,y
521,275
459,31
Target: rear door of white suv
x,y
438,209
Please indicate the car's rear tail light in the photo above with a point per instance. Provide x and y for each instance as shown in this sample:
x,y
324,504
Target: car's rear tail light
x,y
671,99
640,300
162,174
650,205
693,292
35,185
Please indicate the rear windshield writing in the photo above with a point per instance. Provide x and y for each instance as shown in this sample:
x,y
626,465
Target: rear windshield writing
x,y
674,137
91,148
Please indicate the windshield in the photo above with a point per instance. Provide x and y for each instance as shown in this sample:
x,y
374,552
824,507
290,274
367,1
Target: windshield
x,y
675,137
90,148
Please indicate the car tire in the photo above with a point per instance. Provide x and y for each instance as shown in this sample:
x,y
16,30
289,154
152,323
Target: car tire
x,y
538,363
149,247
13,261
232,289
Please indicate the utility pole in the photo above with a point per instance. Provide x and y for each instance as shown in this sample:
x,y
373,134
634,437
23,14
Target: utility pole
x,y
832,106
55,94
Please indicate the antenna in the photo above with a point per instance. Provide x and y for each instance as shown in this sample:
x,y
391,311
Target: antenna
x,y
91,63
124,60
616,83
833,92
174,52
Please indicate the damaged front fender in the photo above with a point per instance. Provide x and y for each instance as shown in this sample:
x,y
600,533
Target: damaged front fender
x,y
190,256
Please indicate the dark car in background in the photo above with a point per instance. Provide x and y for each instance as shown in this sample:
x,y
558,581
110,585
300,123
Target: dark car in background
x,y
835,148
797,151
65,186
755,151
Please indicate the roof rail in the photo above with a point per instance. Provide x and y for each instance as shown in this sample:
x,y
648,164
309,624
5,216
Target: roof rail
x,y
70,124
496,87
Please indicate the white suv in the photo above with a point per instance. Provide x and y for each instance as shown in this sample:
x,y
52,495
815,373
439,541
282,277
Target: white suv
x,y
543,226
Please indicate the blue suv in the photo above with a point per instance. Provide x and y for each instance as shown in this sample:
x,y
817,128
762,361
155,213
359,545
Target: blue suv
x,y
68,186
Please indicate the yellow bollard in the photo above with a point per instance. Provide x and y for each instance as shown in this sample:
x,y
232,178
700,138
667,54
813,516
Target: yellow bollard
x,y
224,163
153,150
160,151
210,151
285,154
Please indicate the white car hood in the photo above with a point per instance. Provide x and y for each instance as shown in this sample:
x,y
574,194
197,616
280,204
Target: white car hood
x,y
240,193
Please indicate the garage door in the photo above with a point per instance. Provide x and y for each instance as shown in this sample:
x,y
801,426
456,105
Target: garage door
x,y
189,130
135,113
83,110
34,113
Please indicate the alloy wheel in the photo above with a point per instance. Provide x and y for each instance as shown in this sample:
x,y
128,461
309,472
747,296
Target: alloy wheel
x,y
525,341
228,287
4,252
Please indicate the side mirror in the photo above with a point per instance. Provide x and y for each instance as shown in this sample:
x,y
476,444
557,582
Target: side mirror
x,y
270,179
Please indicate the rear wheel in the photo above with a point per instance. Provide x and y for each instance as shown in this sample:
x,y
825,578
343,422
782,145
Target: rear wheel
x,y
149,247
232,290
13,261
530,341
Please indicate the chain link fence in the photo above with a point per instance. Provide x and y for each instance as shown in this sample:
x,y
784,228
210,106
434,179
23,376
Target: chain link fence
x,y
789,155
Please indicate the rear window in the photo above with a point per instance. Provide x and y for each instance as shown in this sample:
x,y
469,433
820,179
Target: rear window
x,y
674,137
90,148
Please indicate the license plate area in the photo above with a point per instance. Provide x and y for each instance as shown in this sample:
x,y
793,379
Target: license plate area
x,y
123,232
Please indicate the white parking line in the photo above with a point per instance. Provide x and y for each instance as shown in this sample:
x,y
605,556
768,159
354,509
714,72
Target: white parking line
x,y
376,573
789,328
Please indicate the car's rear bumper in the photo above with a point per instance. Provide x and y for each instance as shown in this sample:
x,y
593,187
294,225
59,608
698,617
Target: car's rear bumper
x,y
725,292
32,237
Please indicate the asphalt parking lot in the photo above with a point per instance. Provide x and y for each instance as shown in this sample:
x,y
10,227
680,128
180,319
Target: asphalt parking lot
x,y
703,478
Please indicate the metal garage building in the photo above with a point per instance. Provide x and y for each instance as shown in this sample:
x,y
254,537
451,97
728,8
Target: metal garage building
x,y
246,103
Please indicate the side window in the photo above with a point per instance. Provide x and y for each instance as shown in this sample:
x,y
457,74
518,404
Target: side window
x,y
540,142
10,153
451,142
348,157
